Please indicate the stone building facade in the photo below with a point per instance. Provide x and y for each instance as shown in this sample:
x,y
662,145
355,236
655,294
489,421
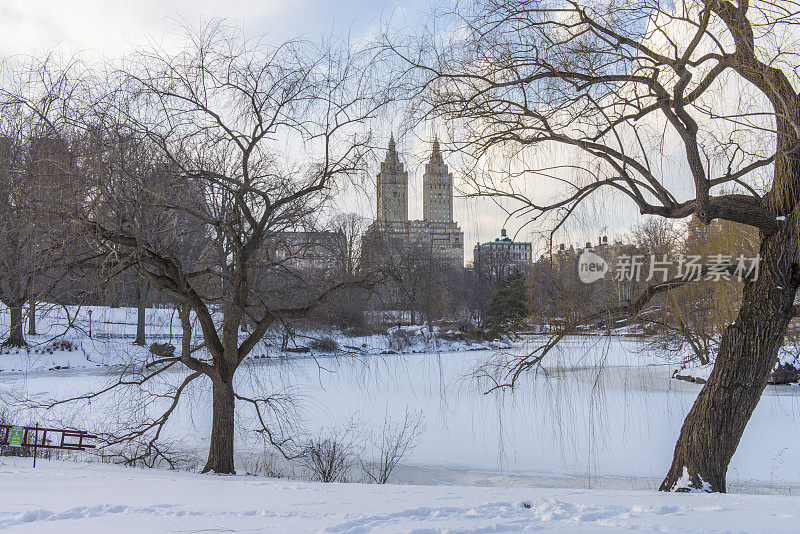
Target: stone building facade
x,y
437,228
392,188
502,257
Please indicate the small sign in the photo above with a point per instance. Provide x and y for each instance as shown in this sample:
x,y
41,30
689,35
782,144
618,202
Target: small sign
x,y
15,436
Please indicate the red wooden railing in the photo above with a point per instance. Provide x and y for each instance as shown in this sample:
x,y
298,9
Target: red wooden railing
x,y
59,438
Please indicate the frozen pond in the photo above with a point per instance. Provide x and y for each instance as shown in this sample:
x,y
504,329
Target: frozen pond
x,y
600,414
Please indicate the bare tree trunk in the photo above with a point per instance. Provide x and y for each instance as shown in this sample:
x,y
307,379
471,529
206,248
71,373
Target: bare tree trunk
x,y
15,335
141,305
747,355
220,455
285,340
32,316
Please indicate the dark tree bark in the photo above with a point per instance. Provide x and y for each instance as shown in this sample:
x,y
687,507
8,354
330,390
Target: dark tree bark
x,y
141,309
747,355
15,332
220,454
32,316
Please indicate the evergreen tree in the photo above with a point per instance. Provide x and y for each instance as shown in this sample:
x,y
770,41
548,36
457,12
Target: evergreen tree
x,y
509,303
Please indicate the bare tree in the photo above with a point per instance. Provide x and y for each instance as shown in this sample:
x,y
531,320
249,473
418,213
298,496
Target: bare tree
x,y
34,170
349,306
249,141
394,443
351,226
695,315
135,183
685,108
16,259
421,279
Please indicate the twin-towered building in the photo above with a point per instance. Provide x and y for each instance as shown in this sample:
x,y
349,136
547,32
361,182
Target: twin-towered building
x,y
437,229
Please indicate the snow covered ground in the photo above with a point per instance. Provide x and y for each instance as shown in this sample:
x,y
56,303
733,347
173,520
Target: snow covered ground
x,y
584,442
77,497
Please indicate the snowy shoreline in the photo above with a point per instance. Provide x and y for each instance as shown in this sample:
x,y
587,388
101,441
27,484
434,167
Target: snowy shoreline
x,y
73,497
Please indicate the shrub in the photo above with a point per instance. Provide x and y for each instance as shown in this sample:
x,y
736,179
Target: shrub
x,y
328,459
395,442
325,344
57,345
400,339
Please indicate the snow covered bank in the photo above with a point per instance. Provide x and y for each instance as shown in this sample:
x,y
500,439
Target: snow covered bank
x,y
64,342
787,370
70,497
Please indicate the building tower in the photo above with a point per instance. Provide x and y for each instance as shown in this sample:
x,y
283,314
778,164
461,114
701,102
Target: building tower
x,y
392,188
437,189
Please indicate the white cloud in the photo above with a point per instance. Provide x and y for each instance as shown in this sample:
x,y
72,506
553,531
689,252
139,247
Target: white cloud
x,y
111,27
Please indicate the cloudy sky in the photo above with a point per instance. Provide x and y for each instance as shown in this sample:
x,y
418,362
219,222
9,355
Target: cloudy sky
x,y
110,27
